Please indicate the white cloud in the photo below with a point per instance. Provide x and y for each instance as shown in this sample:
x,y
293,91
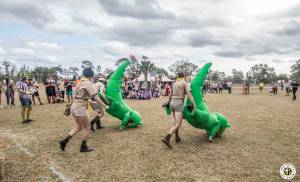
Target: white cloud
x,y
43,45
228,32
2,51
23,51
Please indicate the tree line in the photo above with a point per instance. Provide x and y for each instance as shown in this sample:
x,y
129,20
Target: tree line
x,y
257,73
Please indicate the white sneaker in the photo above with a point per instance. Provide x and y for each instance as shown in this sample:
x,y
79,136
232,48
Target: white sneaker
x,y
210,139
1,107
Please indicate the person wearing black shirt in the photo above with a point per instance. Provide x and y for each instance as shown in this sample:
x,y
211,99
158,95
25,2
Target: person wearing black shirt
x,y
294,89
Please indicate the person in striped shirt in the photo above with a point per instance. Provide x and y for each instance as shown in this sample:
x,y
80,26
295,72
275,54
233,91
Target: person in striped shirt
x,y
25,99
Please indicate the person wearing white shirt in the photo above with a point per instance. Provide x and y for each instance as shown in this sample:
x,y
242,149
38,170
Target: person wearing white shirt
x,y
287,86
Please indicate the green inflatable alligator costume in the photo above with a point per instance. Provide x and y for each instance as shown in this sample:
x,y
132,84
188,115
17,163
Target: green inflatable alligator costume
x,y
214,123
117,107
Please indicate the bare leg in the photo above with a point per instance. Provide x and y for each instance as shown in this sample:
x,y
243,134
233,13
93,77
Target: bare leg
x,y
86,127
40,101
33,99
85,124
72,133
53,99
77,127
178,120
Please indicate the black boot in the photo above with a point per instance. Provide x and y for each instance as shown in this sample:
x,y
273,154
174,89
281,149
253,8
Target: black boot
x,y
64,142
84,147
166,140
92,124
177,138
98,123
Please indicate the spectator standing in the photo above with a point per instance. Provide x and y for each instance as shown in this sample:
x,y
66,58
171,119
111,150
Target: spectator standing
x,y
61,89
69,89
49,91
25,100
287,87
229,85
275,88
168,89
1,107
33,87
220,87
9,92
295,86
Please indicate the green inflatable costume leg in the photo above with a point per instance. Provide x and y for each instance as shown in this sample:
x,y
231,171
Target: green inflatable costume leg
x,y
118,108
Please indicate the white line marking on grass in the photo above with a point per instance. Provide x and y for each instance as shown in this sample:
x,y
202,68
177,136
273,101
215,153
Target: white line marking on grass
x,y
25,150
51,167
59,174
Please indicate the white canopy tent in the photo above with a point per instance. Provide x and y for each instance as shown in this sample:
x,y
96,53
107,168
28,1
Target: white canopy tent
x,y
164,78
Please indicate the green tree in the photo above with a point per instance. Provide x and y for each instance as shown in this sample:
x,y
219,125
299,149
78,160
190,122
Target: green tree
x,y
237,76
184,66
73,71
146,67
161,71
262,73
295,70
216,75
282,76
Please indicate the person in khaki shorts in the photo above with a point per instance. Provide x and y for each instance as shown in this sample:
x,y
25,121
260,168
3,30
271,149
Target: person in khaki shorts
x,y
84,91
176,102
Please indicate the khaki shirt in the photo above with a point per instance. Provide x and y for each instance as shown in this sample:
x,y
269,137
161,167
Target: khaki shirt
x,y
180,88
99,87
84,91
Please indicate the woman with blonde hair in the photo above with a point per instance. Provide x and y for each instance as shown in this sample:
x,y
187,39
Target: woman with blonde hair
x,y
84,91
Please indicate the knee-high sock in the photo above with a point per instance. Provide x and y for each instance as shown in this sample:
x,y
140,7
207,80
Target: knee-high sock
x,y
28,112
23,113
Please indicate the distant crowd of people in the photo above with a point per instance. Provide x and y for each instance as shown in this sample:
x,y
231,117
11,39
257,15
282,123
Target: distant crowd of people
x,y
57,90
133,89
217,87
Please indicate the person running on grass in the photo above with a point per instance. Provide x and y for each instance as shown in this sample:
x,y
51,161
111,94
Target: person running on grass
x,y
84,91
25,100
176,102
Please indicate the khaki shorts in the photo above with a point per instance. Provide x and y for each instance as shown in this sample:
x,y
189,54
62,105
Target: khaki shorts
x,y
79,109
177,105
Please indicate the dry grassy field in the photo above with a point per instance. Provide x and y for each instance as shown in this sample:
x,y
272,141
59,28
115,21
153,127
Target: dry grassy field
x,y
264,134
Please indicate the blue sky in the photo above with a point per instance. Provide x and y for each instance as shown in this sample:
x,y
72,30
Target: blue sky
x,y
230,33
